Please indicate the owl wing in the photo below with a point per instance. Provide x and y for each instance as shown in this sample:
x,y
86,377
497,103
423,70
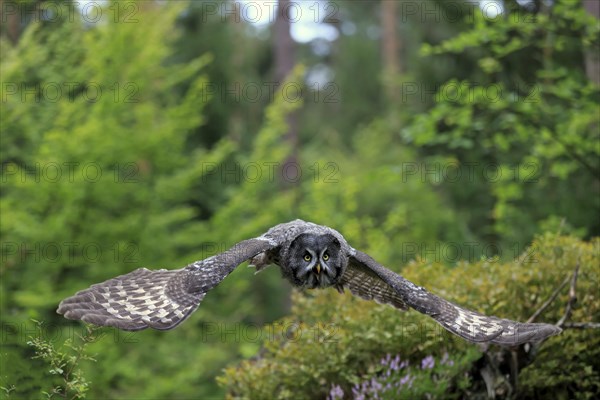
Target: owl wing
x,y
467,324
159,299
365,283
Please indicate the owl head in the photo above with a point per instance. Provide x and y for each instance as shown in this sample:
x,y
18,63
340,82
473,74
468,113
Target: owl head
x,y
315,260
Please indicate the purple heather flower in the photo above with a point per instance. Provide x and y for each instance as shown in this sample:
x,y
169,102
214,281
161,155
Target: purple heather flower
x,y
428,362
335,393
394,363
356,394
386,359
405,379
446,360
375,385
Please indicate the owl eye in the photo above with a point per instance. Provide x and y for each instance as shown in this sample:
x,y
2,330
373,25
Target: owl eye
x,y
325,257
307,257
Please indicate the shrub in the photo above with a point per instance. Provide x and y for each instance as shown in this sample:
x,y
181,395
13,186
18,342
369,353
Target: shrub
x,y
333,340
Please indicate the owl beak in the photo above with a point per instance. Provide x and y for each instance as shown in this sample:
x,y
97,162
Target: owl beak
x,y
318,267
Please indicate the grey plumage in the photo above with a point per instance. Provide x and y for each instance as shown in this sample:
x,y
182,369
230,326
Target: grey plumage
x,y
310,256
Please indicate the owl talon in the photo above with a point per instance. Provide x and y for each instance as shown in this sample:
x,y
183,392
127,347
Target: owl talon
x,y
260,262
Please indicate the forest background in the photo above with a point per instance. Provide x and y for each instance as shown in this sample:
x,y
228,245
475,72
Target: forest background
x,y
456,142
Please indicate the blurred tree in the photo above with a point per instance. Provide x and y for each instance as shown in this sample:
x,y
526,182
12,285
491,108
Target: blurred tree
x,y
96,179
523,139
162,160
592,59
391,44
284,50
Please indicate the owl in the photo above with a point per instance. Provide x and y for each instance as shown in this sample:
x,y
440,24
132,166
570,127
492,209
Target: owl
x,y
310,256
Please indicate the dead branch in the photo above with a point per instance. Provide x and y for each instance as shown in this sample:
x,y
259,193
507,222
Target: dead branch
x,y
547,303
572,298
581,325
508,362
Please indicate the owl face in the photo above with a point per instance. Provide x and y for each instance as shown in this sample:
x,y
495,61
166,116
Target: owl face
x,y
315,261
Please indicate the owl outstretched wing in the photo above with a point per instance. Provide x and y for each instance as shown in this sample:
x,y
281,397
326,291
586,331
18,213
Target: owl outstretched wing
x,y
467,324
159,299
365,283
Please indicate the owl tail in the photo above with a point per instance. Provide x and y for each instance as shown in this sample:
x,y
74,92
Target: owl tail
x,y
135,301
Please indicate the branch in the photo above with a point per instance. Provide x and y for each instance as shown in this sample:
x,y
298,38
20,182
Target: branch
x,y
572,298
570,151
582,325
540,310
569,308
516,358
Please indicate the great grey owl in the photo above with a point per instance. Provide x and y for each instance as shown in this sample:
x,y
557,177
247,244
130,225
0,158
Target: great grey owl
x,y
310,256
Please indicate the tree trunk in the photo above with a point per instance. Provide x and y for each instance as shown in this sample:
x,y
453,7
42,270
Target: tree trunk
x,y
391,45
11,12
284,49
391,61
284,63
592,59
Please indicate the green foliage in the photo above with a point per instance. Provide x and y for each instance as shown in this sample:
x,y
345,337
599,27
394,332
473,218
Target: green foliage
x,y
154,172
65,364
525,127
52,367
334,339
372,197
94,187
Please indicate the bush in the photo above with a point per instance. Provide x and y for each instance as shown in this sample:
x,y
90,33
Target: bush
x,y
332,340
